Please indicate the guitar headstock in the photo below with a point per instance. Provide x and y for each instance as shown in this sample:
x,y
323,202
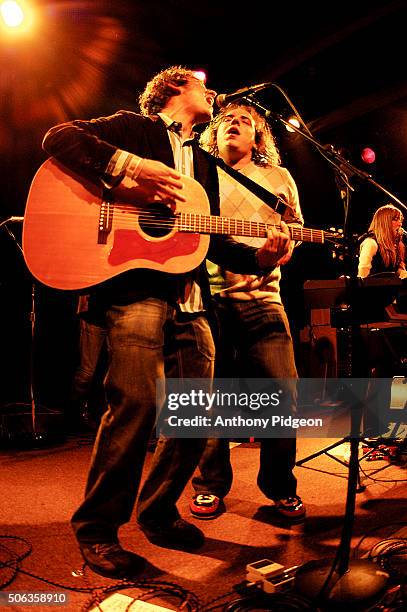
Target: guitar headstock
x,y
334,235
340,248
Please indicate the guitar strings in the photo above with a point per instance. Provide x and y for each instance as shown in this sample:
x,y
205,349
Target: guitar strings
x,y
196,222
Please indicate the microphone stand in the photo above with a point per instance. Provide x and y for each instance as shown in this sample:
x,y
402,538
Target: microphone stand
x,y
342,165
335,583
36,436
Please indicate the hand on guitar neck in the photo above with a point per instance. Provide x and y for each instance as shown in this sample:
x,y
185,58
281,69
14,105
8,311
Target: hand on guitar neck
x,y
275,248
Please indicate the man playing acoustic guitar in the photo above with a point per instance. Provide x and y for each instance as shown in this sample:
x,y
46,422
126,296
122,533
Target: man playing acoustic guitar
x,y
156,323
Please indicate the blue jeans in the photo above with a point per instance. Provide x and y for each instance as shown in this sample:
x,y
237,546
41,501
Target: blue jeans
x,y
92,339
254,342
146,340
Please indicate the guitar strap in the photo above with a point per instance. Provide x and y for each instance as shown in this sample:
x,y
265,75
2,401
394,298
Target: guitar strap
x,y
275,202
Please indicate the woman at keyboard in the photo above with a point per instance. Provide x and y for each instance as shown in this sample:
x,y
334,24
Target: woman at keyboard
x,y
381,248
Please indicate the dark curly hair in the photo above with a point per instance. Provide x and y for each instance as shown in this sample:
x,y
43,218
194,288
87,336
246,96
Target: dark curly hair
x,y
265,152
162,87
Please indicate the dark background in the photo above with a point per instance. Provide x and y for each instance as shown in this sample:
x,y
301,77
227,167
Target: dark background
x,y
342,66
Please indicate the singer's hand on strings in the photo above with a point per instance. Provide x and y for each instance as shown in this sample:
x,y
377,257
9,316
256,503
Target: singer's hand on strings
x,y
156,182
276,246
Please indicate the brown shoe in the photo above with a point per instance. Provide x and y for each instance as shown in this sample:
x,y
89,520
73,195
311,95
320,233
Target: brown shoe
x,y
179,535
111,560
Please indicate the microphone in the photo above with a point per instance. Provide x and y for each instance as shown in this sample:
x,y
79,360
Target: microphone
x,y
403,232
222,100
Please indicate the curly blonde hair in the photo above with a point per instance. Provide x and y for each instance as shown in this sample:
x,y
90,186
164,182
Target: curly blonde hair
x,y
264,153
391,248
162,87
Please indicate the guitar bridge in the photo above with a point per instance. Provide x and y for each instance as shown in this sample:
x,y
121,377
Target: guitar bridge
x,y
105,217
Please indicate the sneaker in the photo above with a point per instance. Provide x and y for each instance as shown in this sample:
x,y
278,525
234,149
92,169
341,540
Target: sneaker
x,y
179,535
111,560
290,508
206,506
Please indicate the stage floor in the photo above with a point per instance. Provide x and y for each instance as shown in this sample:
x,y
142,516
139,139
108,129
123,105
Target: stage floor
x,y
41,489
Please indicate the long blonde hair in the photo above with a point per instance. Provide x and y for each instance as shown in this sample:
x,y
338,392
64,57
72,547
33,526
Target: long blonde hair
x,y
391,246
265,153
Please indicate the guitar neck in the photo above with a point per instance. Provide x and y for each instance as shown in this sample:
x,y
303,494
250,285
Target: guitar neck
x,y
212,224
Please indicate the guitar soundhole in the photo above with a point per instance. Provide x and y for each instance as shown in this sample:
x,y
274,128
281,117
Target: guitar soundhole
x,y
157,221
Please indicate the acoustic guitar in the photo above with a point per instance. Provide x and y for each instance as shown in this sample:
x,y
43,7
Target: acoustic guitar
x,y
77,235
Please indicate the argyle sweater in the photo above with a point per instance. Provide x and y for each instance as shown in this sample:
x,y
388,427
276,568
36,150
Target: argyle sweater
x,y
238,202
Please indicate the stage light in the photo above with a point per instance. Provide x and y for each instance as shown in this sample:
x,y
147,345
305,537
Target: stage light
x,y
12,13
368,155
294,121
16,17
201,75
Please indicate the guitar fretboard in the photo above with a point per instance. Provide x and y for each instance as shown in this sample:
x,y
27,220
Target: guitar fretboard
x,y
211,224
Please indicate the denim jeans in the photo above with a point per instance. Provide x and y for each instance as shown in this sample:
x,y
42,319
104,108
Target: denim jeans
x,y
146,340
92,339
254,342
